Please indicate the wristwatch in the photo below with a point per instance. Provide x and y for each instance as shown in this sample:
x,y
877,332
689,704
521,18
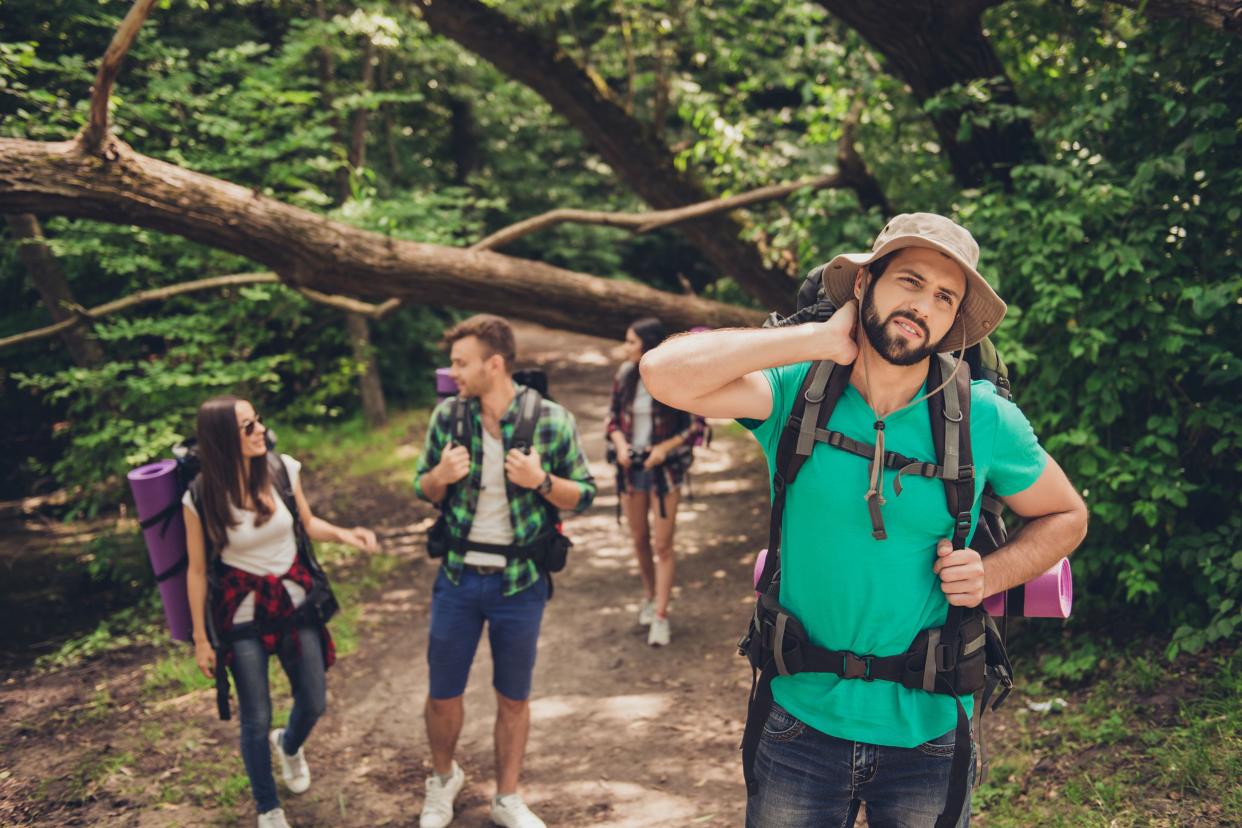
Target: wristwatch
x,y
546,486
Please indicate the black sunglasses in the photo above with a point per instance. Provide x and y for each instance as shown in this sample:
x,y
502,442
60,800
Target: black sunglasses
x,y
248,427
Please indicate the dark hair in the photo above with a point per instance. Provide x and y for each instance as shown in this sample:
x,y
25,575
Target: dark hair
x,y
651,332
877,268
219,448
493,333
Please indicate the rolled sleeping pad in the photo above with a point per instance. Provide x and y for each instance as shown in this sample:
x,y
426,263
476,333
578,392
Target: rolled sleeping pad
x,y
157,493
1050,595
445,385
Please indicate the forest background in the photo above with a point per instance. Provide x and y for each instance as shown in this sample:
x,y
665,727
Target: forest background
x,y
1092,149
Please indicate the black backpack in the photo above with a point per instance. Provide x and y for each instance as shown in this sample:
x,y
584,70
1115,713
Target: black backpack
x,y
549,552
968,653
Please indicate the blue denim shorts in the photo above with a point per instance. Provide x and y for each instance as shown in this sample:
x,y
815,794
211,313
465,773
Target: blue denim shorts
x,y
457,616
640,480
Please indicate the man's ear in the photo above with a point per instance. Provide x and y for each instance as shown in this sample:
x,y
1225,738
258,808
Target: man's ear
x,y
860,282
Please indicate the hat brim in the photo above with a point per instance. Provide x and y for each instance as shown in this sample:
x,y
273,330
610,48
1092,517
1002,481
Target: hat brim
x,y
980,314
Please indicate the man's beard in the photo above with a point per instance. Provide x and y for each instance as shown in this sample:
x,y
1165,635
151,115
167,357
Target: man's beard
x,y
891,347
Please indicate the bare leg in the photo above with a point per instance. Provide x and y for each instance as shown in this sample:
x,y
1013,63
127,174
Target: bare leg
x,y
663,550
512,728
636,505
444,719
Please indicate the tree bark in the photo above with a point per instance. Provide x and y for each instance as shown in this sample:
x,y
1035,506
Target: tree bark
x,y
53,288
1222,15
629,146
932,45
312,250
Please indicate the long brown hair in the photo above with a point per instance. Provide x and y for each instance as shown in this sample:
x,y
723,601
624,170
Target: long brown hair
x,y
219,447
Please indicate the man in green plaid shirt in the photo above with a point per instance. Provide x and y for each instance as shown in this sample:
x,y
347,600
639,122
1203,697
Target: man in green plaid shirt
x,y
493,497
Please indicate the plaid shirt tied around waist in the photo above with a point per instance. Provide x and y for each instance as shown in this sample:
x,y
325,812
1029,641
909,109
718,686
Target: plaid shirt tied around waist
x,y
557,443
273,608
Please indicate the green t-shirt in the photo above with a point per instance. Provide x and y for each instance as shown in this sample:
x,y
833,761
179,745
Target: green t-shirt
x,y
872,597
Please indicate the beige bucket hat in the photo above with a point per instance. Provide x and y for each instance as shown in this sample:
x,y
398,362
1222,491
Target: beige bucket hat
x,y
981,311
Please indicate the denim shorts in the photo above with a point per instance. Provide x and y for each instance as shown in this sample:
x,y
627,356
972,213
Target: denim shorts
x,y
639,480
807,778
457,616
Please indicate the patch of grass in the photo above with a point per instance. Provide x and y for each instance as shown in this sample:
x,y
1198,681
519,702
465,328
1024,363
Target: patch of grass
x,y
174,674
354,449
142,623
1117,758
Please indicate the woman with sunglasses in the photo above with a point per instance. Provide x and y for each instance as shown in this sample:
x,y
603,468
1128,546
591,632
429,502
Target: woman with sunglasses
x,y
237,523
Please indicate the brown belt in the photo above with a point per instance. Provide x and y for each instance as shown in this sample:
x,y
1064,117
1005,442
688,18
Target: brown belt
x,y
485,570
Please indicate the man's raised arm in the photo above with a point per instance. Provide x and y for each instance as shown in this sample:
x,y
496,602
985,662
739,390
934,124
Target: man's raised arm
x,y
716,373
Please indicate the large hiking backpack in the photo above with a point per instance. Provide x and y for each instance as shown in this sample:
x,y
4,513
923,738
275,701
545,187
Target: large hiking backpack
x,y
962,657
550,551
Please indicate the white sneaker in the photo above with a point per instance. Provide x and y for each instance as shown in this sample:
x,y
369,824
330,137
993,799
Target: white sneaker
x,y
646,612
657,636
511,812
293,769
438,804
274,818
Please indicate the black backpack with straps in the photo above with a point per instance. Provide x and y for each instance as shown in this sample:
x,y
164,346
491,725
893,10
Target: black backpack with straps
x,y
548,552
965,655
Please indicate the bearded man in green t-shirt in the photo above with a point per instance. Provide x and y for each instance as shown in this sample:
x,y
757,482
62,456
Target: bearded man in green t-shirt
x,y
866,571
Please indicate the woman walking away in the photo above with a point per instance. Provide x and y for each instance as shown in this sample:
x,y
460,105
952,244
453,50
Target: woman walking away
x,y
256,591
651,445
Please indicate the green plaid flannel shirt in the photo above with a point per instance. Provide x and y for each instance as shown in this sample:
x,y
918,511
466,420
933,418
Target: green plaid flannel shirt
x,y
560,452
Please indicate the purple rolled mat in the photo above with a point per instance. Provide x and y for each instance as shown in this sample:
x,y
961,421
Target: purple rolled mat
x,y
445,385
1051,595
155,488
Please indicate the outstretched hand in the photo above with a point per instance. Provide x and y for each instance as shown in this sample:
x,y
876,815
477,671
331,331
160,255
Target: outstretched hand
x,y
961,574
360,537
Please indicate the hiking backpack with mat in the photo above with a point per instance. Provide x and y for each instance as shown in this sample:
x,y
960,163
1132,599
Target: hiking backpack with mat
x,y
964,656
319,606
550,551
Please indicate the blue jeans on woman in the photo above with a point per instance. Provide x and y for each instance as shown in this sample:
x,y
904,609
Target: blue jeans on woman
x,y
254,702
808,779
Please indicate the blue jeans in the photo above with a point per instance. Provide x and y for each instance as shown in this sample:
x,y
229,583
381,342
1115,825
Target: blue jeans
x,y
809,779
457,616
254,702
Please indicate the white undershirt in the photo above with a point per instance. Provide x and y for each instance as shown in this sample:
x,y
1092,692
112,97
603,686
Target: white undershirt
x,y
264,550
492,523
643,423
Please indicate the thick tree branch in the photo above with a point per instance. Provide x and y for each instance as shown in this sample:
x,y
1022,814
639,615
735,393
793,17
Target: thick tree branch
x,y
310,250
1222,15
646,222
935,45
93,135
632,148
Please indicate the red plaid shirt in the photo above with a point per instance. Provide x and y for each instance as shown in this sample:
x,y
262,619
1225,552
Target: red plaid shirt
x,y
273,608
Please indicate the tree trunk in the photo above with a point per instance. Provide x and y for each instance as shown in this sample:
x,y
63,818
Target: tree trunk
x,y
932,45
463,139
312,250
53,288
629,146
374,409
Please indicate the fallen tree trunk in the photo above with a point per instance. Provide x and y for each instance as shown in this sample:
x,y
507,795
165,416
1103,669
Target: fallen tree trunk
x,y
309,250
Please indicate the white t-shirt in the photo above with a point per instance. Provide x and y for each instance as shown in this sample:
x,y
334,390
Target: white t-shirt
x,y
643,423
269,549
491,523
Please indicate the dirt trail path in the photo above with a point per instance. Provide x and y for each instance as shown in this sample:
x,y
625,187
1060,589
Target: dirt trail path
x,y
622,734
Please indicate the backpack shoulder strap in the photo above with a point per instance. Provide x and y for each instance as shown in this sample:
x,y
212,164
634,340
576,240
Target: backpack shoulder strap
x,y
818,394
459,421
529,408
